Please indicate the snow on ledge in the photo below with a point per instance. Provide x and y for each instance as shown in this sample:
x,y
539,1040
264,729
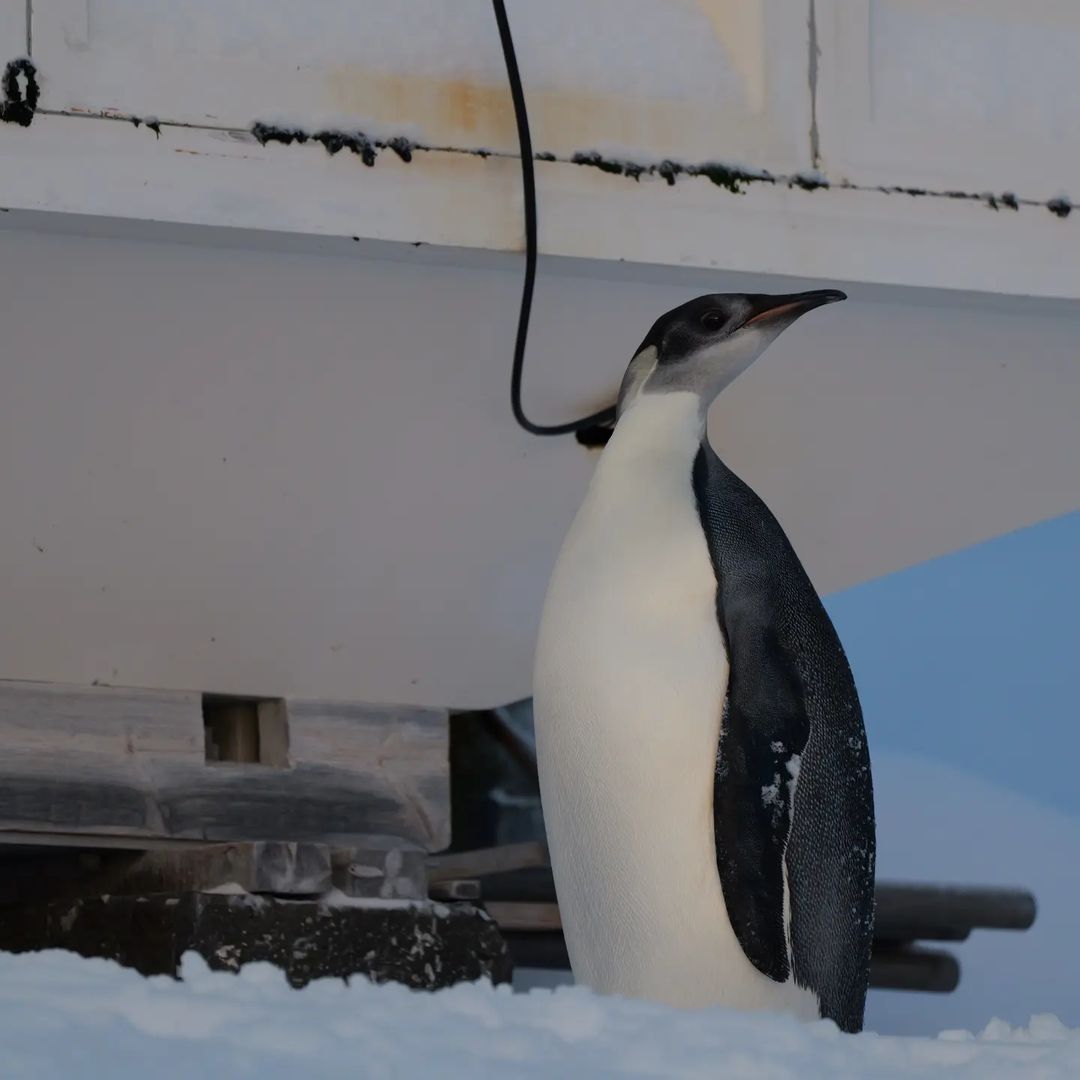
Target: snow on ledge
x,y
62,1015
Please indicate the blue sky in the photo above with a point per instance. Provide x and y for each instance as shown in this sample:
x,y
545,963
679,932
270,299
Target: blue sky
x,y
973,659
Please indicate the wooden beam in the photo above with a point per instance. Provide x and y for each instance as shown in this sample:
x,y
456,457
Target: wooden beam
x,y
90,762
484,861
534,917
393,872
262,867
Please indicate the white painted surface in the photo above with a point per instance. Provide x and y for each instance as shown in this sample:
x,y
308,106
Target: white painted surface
x,y
12,29
680,78
906,95
108,169
268,458
285,472
974,95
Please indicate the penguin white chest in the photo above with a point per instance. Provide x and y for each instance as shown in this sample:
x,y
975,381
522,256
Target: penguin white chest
x,y
630,680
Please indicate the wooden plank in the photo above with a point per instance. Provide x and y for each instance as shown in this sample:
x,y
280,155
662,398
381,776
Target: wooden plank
x,y
484,861
97,725
280,869
455,889
232,730
273,733
394,873
16,839
297,869
537,917
98,761
402,754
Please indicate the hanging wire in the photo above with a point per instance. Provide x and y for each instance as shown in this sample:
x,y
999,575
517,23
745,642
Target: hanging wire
x,y
593,430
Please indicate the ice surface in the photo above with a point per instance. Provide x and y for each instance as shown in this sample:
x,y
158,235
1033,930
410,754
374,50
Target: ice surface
x,y
64,1016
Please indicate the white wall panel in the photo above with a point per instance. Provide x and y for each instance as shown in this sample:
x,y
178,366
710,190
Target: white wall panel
x,y
12,30
695,79
973,95
286,473
711,79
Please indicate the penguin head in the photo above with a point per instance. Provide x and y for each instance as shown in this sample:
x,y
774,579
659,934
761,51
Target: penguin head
x,y
704,344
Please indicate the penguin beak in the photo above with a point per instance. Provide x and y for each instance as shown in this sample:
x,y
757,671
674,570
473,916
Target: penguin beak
x,y
769,310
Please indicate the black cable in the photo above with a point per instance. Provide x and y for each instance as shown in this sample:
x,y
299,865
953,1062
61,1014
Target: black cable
x,y
592,430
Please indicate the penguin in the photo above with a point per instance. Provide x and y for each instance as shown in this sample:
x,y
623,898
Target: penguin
x,y
704,771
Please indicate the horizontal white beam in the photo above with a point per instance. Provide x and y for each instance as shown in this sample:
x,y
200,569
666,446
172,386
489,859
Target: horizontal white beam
x,y
109,169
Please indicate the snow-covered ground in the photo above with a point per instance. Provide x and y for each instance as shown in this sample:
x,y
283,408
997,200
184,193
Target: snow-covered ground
x,y
62,1016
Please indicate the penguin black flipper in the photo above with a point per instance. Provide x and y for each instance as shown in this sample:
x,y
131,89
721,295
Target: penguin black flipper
x,y
793,799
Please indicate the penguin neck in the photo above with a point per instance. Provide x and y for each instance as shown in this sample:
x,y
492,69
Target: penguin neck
x,y
662,430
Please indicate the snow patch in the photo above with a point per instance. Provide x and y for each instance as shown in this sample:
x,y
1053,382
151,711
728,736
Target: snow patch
x,y
61,1015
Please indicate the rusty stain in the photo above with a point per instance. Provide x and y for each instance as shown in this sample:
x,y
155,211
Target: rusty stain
x,y
462,111
739,30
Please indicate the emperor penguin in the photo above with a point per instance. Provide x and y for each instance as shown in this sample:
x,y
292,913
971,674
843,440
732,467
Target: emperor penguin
x,y
704,772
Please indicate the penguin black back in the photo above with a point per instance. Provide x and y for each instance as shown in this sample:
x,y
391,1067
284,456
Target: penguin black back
x,y
792,725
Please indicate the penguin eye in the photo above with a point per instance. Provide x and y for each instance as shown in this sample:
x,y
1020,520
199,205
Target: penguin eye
x,y
713,320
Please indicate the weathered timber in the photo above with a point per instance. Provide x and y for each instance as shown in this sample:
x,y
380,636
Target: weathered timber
x,y
107,762
532,884
455,889
280,869
263,866
524,916
424,946
392,873
483,862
